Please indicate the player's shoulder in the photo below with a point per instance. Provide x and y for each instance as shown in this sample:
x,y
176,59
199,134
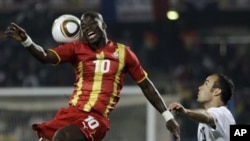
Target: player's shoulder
x,y
220,108
78,43
75,44
219,111
117,44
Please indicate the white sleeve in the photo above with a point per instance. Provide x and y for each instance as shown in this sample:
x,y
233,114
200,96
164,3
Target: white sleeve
x,y
218,116
222,118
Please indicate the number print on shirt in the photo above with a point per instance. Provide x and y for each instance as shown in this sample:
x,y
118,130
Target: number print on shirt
x,y
91,122
102,66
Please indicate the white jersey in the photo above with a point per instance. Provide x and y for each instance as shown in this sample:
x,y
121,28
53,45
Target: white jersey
x,y
223,119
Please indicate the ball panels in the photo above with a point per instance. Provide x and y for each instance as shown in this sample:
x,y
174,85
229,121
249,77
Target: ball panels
x,y
66,28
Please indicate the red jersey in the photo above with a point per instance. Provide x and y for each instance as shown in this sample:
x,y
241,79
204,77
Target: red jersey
x,y
100,74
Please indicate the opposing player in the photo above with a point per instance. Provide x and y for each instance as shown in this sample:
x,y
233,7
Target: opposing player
x,y
100,66
215,119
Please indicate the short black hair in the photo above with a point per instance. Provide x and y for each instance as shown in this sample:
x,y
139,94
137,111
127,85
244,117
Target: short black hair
x,y
93,14
226,85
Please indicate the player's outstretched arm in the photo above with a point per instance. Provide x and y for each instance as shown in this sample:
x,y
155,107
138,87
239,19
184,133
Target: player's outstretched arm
x,y
154,97
19,34
200,115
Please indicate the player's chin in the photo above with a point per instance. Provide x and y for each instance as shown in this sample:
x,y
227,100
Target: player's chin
x,y
92,40
199,100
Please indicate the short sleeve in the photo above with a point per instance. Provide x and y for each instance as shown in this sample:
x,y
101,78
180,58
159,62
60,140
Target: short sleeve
x,y
134,67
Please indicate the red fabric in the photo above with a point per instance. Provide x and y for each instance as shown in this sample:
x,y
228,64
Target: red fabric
x,y
92,125
99,74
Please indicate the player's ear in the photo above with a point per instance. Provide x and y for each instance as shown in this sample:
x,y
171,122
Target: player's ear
x,y
217,91
104,25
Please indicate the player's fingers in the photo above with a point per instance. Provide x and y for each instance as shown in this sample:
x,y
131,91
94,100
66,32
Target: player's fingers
x,y
10,29
176,134
177,107
15,26
177,137
8,32
172,105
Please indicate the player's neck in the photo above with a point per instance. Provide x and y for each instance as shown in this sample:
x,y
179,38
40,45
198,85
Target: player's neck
x,y
213,103
102,43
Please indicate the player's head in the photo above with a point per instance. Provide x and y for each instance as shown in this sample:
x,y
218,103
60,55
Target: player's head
x,y
93,27
216,87
226,85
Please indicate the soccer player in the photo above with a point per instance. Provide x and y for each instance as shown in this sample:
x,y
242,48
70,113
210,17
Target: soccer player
x,y
100,66
215,119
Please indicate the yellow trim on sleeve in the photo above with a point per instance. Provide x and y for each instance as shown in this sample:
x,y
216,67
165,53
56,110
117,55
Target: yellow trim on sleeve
x,y
146,75
59,58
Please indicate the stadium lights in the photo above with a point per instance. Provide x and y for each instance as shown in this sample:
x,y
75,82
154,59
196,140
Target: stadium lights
x,y
172,15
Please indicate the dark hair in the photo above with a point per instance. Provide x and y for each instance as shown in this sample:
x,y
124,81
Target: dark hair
x,y
226,85
93,14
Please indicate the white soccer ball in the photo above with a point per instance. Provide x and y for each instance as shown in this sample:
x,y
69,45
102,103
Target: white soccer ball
x,y
66,28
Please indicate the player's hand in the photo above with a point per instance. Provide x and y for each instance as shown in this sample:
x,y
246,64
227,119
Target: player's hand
x,y
177,108
16,32
174,128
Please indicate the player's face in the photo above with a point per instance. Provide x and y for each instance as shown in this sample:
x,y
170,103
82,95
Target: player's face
x,y
206,90
92,28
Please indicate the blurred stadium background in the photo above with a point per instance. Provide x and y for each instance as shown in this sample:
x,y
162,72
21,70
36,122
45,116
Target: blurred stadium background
x,y
209,36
